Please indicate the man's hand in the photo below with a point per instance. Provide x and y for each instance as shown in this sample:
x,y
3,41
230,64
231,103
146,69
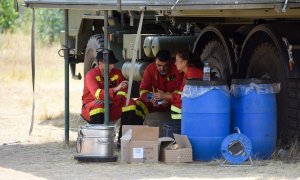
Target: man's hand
x,y
122,85
162,95
154,102
158,102
159,94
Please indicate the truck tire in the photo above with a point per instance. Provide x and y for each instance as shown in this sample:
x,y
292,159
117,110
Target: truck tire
x,y
94,44
215,54
265,63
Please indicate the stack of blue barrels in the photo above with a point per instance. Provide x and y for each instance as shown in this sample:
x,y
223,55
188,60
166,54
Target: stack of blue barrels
x,y
205,117
254,112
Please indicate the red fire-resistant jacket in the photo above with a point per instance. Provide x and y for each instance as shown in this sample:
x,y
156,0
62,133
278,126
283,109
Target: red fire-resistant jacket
x,y
153,81
94,85
191,73
94,90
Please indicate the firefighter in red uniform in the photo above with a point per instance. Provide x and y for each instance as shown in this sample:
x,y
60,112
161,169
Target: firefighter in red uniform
x,y
160,80
191,65
93,94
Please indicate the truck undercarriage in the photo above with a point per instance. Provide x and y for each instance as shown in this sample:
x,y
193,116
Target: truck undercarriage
x,y
239,39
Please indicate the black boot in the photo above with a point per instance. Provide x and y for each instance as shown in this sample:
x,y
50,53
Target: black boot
x,y
97,118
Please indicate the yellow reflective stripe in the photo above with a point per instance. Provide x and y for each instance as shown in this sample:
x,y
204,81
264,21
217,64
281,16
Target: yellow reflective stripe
x,y
143,106
96,111
122,93
143,91
128,108
176,116
97,94
178,92
175,109
140,113
115,77
98,78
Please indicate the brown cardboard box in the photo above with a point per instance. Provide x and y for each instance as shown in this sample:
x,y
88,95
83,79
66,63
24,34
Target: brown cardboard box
x,y
182,153
139,144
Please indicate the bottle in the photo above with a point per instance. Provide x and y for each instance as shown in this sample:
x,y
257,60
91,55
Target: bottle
x,y
206,72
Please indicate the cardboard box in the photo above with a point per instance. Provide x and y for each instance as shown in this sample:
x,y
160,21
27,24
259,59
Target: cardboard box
x,y
170,153
139,144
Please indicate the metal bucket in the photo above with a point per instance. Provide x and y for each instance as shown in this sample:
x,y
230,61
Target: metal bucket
x,y
95,140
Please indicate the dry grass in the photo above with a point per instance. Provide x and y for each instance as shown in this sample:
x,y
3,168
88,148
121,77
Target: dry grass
x,y
294,150
16,59
290,153
15,66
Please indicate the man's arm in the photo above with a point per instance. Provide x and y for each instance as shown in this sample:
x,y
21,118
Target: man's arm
x,y
146,84
167,96
95,90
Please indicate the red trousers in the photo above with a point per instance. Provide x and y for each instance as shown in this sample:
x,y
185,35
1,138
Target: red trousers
x,y
115,109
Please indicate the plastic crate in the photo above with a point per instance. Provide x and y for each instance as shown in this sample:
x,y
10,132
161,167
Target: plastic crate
x,y
168,128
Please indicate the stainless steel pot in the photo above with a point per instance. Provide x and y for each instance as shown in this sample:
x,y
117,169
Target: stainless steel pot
x,y
95,140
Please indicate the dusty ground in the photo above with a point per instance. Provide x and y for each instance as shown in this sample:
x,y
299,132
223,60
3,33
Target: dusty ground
x,y
43,155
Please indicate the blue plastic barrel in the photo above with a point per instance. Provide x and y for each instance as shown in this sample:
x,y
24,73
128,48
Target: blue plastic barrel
x,y
205,117
254,113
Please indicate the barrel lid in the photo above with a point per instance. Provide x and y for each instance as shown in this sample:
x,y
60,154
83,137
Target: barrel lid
x,y
200,82
248,81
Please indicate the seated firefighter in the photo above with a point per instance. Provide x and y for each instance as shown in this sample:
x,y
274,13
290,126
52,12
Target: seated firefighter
x,y
93,95
191,65
160,80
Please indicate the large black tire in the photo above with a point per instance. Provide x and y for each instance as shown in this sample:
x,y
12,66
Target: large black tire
x,y
217,57
265,63
94,44
292,130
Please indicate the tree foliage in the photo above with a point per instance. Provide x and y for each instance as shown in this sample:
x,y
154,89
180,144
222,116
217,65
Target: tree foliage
x,y
8,15
49,23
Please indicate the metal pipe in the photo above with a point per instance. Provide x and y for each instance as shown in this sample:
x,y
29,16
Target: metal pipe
x,y
134,56
106,73
66,56
119,5
32,68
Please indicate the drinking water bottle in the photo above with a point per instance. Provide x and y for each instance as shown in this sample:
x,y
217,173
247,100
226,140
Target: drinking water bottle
x,y
206,72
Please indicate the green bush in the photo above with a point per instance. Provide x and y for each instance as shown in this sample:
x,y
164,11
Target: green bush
x,y
8,15
24,21
49,22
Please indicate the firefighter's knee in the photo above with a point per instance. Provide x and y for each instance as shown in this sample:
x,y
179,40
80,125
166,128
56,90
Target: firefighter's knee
x,y
97,118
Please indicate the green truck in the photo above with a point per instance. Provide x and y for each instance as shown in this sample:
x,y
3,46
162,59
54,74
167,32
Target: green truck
x,y
239,39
